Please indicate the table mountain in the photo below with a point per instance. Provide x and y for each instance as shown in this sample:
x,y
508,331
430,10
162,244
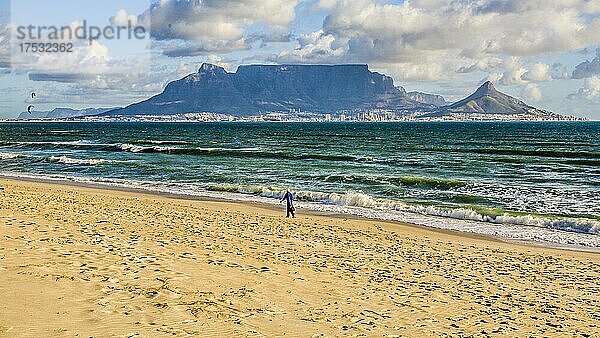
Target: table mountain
x,y
255,89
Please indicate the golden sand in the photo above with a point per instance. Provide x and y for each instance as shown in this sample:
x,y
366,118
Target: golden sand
x,y
89,262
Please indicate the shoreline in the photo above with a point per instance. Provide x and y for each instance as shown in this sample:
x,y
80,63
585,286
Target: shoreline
x,y
310,212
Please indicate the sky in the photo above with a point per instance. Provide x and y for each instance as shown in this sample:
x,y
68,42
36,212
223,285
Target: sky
x,y
546,53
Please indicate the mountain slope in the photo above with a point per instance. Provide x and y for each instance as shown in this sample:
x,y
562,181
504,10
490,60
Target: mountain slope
x,y
488,100
436,100
255,89
62,113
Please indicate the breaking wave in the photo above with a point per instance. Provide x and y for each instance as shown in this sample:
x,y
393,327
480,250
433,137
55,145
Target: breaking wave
x,y
62,131
159,142
83,161
413,181
362,200
9,156
70,160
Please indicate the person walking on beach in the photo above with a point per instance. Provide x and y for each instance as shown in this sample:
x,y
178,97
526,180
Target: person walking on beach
x,y
289,198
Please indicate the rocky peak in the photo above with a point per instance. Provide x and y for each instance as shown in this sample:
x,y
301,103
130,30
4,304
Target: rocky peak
x,y
486,89
210,69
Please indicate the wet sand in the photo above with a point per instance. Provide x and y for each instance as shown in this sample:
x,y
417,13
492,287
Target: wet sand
x,y
77,261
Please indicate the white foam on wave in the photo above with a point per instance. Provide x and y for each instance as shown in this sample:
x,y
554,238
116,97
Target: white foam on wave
x,y
9,156
70,160
83,161
136,148
59,159
133,148
359,199
62,131
547,199
59,143
227,149
162,141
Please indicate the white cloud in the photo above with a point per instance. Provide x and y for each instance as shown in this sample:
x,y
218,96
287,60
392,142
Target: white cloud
x,y
539,72
89,72
326,4
589,92
588,68
177,48
492,77
315,47
204,27
514,71
592,7
125,82
122,19
4,46
486,64
219,61
429,32
414,72
532,93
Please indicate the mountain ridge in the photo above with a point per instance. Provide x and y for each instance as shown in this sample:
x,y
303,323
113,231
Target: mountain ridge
x,y
63,113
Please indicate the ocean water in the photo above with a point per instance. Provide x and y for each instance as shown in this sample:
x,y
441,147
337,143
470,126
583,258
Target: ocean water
x,y
520,181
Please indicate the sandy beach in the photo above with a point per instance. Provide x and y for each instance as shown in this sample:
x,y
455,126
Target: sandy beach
x,y
83,262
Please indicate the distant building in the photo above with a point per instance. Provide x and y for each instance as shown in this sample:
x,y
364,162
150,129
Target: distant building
x,y
327,117
342,117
